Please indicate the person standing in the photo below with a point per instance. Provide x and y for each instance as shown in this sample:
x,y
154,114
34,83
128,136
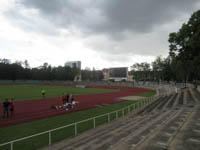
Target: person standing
x,y
63,97
176,90
12,107
43,93
6,105
70,97
67,98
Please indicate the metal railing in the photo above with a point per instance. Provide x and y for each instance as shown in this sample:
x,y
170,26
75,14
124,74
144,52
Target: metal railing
x,y
130,108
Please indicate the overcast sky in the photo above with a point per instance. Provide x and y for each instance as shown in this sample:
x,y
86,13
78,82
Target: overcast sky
x,y
101,33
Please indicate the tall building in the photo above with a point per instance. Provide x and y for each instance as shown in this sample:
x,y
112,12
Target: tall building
x,y
74,64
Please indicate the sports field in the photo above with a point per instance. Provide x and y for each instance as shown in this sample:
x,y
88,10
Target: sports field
x,y
30,105
33,114
29,92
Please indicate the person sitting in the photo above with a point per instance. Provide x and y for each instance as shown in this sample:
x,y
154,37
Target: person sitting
x,y
74,103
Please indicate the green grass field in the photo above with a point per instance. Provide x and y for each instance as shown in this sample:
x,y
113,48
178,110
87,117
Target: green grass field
x,y
147,94
28,92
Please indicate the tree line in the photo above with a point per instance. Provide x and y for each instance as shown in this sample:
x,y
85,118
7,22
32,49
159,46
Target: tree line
x,y
22,71
183,61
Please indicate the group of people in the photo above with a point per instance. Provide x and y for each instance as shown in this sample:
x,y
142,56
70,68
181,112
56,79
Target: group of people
x,y
68,102
8,107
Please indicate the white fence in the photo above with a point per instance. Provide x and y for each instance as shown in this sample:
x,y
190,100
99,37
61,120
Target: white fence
x,y
128,109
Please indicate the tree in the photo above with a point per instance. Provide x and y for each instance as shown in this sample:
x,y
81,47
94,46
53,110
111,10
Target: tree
x,y
26,64
185,46
5,61
158,67
141,71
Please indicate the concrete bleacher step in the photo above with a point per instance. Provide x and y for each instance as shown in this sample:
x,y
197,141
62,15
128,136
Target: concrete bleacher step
x,y
180,98
140,135
170,97
106,132
149,108
172,101
122,130
190,98
120,135
164,103
175,104
161,102
161,138
194,95
188,138
100,132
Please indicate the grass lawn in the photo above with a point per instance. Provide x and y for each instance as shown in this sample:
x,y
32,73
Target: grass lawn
x,y
25,92
26,129
149,94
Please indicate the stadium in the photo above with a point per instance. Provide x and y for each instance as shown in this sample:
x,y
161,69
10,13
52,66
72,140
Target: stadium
x,y
55,104
117,113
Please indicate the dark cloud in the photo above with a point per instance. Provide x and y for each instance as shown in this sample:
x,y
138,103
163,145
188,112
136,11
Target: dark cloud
x,y
131,27
112,17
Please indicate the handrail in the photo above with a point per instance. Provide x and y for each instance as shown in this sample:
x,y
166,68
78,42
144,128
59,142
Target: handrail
x,y
152,98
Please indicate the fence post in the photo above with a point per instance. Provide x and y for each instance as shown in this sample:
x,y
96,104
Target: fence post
x,y
49,137
75,129
94,123
108,117
116,115
11,146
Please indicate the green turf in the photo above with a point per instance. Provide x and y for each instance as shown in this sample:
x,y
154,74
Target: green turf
x,y
25,92
26,129
149,94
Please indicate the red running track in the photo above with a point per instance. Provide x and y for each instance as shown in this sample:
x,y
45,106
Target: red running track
x,y
30,110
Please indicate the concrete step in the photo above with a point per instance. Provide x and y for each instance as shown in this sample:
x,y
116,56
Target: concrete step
x,y
188,138
164,103
136,139
161,138
172,101
151,107
190,99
